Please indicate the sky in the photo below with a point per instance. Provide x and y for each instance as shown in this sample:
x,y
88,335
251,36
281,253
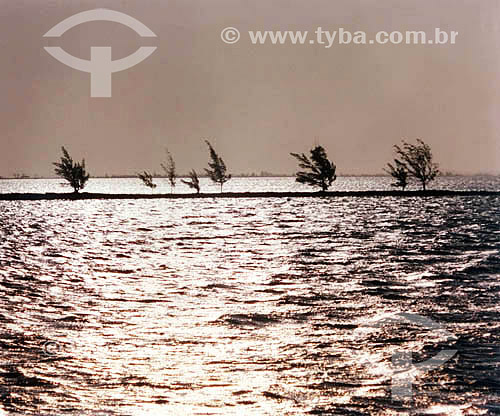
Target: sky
x,y
255,103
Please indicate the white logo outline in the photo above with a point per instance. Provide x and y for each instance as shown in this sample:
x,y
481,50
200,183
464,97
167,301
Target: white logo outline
x,y
100,66
404,369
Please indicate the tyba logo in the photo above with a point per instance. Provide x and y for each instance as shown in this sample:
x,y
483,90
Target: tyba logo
x,y
403,368
100,66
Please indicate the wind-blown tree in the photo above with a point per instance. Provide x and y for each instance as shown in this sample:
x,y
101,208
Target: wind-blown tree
x,y
398,171
417,159
193,182
170,171
319,171
73,172
147,180
218,171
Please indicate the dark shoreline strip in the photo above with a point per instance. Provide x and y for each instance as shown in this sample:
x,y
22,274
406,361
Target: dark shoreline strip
x,y
72,196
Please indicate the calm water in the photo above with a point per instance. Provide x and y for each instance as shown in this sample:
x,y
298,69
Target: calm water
x,y
247,306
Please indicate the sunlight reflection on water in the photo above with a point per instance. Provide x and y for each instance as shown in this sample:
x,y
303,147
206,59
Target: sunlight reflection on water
x,y
343,183
245,306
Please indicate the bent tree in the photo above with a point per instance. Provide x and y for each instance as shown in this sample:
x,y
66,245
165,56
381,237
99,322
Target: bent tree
x,y
193,182
73,172
399,173
147,179
217,171
418,161
319,171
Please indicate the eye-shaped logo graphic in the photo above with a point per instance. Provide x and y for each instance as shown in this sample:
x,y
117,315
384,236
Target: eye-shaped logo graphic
x,y
100,66
404,370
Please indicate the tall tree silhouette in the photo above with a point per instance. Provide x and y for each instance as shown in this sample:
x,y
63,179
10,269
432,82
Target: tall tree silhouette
x,y
218,171
320,172
418,161
170,171
73,172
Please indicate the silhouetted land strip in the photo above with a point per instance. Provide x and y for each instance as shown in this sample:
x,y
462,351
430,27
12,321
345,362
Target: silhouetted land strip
x,y
333,194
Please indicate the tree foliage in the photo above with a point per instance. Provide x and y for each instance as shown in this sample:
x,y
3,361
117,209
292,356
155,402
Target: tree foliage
x,y
73,172
399,172
170,171
147,179
193,182
418,161
319,171
217,171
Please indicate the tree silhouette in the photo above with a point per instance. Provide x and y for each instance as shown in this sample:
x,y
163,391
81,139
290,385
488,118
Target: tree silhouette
x,y
73,172
218,171
319,172
147,180
417,159
170,171
399,172
193,182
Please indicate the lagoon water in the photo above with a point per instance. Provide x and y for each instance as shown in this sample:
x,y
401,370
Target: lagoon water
x,y
248,306
346,183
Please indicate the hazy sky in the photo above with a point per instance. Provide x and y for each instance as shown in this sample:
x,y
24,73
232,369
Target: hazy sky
x,y
256,103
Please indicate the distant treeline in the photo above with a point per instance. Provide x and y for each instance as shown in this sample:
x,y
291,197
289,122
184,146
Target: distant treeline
x,y
262,174
250,175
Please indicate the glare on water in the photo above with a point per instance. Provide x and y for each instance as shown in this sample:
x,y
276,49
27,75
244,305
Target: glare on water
x,y
251,306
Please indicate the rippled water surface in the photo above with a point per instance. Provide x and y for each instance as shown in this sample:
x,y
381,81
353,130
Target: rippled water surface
x,y
247,306
285,184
